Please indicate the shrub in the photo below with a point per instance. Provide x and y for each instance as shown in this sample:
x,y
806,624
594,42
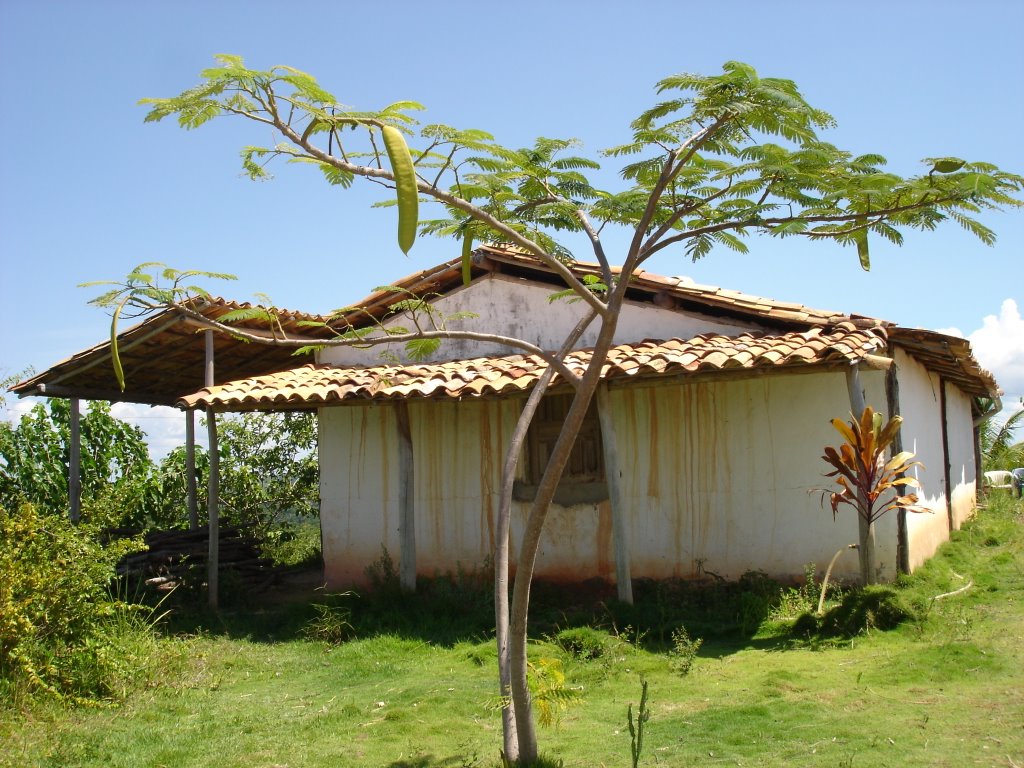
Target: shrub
x,y
684,650
864,610
61,631
332,622
583,642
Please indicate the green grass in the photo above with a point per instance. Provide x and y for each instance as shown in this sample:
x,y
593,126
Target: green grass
x,y
416,688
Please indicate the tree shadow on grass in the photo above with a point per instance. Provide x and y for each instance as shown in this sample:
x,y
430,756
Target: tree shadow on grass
x,y
446,610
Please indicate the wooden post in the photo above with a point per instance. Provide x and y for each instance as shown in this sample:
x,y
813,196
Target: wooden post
x,y
613,473
865,529
406,502
892,396
213,500
190,470
947,484
75,464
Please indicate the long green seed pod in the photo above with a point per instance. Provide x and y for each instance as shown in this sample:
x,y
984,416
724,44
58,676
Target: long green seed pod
x,y
115,354
405,186
467,257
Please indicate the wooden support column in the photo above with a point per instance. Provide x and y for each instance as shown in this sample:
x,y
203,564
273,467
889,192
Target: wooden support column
x,y
865,530
75,463
190,470
213,489
946,480
892,396
613,473
406,502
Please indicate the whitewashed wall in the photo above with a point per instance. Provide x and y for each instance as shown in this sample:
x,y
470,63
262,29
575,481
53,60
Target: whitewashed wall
x,y
726,482
921,408
962,465
720,476
509,306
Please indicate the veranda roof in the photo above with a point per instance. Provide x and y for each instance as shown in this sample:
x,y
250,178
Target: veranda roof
x,y
164,357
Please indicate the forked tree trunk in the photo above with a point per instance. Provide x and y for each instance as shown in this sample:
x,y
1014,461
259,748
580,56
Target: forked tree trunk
x,y
527,558
510,736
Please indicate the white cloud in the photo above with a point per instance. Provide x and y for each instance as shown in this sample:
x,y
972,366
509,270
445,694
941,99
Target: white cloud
x,y
999,347
13,411
164,427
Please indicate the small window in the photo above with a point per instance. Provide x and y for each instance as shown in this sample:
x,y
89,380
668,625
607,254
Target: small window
x,y
583,481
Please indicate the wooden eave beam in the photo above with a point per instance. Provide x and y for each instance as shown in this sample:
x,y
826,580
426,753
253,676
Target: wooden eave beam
x,y
88,393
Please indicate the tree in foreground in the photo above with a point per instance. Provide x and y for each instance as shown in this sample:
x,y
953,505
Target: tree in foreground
x,y
721,158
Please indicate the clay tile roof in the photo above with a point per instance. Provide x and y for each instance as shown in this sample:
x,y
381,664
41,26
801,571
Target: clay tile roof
x,y
164,355
310,386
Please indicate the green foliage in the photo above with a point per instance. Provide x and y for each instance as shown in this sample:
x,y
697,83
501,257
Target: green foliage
x,y
798,600
548,691
293,543
149,286
998,451
269,472
863,610
684,650
723,156
382,574
584,643
117,475
332,623
946,688
61,631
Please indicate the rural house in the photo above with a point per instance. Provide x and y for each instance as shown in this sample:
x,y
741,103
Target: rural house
x,y
718,405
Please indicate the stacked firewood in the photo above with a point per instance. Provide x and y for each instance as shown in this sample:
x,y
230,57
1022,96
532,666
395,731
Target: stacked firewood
x,y
180,557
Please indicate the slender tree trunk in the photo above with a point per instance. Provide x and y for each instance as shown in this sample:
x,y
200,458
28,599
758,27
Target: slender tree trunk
x,y
868,572
865,526
501,560
501,551
527,558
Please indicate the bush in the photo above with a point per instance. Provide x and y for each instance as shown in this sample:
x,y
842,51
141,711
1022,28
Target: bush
x,y
863,610
684,651
583,643
332,622
61,631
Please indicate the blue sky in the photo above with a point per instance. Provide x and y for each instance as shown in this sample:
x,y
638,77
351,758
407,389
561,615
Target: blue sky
x,y
87,190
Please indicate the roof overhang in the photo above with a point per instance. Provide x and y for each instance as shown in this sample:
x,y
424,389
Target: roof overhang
x,y
315,386
164,357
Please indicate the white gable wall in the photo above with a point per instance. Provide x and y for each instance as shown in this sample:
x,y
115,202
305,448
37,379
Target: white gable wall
x,y
962,465
520,308
921,408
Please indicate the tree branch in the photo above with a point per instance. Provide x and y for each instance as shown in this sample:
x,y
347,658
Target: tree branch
x,y
455,202
372,341
881,215
669,170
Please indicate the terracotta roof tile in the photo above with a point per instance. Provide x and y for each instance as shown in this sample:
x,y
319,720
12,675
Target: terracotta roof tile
x,y
313,385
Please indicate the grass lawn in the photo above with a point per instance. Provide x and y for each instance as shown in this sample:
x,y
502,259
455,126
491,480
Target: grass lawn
x,y
416,685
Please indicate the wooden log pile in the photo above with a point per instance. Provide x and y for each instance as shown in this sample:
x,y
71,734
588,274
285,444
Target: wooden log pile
x,y
179,557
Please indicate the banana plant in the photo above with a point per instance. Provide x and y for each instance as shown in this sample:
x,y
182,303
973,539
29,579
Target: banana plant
x,y
868,482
